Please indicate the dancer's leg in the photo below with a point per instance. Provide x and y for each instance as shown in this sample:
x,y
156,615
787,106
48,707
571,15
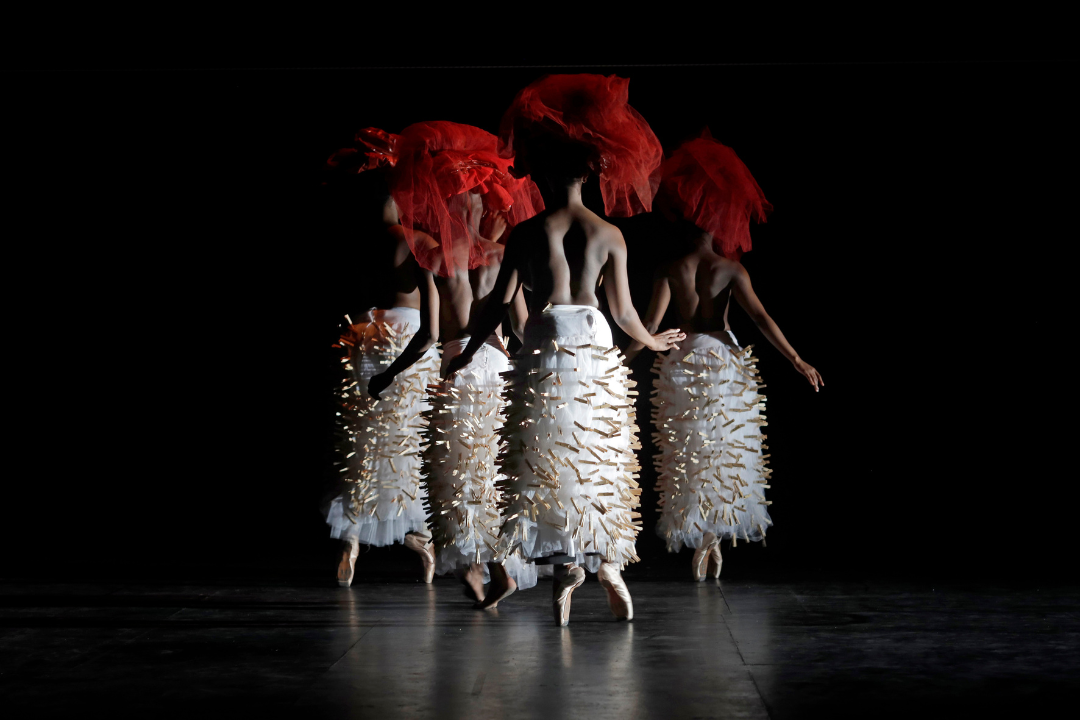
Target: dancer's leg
x,y
502,586
472,578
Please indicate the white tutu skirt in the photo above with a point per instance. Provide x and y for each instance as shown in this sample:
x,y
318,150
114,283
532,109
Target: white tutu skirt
x,y
463,446
712,475
571,472
383,498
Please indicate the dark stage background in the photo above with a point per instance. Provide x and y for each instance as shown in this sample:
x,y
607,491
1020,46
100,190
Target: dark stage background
x,y
179,275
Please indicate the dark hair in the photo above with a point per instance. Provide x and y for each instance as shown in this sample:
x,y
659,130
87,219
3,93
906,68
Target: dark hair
x,y
542,153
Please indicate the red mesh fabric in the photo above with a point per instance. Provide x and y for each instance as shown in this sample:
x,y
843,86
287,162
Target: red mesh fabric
x,y
593,110
372,148
450,183
706,182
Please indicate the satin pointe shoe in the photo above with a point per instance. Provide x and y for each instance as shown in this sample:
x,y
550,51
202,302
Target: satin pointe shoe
x,y
421,545
502,586
350,549
699,564
567,579
618,596
715,561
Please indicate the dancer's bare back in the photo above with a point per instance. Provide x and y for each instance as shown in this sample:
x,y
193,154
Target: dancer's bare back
x,y
463,296
561,255
701,286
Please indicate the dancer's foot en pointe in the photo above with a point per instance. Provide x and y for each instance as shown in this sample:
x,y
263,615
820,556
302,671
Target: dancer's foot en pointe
x,y
502,586
700,563
567,579
347,567
715,561
618,596
421,544
473,580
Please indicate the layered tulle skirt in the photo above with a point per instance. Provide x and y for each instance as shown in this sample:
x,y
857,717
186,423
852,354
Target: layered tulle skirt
x,y
571,472
711,466
460,471
383,499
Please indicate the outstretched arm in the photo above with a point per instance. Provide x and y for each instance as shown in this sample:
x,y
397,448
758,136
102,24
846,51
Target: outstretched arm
x,y
617,287
424,338
748,299
658,305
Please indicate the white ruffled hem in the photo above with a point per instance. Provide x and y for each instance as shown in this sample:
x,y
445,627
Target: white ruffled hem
x,y
367,530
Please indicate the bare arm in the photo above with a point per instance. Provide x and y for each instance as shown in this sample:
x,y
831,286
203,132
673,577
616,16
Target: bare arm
x,y
519,314
748,300
621,305
421,342
658,305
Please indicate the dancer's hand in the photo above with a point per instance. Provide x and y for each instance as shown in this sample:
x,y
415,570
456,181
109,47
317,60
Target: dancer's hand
x,y
498,226
807,371
456,363
666,340
378,383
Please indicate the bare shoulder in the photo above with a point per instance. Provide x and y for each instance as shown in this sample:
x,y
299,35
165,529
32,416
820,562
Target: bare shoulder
x,y
606,235
601,228
727,271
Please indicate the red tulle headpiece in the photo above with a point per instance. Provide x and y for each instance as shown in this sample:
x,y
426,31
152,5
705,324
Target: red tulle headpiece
x,y
372,148
706,182
449,182
592,110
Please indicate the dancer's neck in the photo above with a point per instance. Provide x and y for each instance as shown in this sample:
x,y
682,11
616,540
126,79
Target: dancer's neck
x,y
560,193
703,242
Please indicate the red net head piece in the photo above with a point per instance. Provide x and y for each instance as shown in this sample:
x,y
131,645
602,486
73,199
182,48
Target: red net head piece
x,y
706,183
453,192
591,112
372,148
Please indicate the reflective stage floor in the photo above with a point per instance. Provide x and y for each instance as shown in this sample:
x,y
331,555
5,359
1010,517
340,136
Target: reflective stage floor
x,y
405,650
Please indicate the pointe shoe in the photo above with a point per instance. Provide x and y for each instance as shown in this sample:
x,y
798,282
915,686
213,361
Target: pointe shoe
x,y
422,545
699,565
618,595
715,561
567,578
502,586
347,567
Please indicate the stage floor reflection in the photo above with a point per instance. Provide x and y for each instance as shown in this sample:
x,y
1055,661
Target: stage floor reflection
x,y
401,650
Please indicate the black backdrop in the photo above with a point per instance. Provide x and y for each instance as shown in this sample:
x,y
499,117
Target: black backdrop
x,y
179,275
